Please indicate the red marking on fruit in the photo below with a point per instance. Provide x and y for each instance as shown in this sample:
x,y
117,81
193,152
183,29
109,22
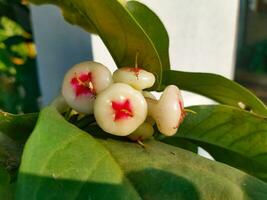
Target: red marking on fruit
x,y
135,70
182,116
122,110
83,85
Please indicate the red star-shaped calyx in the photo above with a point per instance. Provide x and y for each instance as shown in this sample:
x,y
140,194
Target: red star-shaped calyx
x,y
122,110
82,84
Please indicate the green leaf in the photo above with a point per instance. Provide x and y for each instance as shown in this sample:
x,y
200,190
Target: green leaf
x,y
10,28
231,135
20,49
217,88
17,127
61,161
122,33
154,28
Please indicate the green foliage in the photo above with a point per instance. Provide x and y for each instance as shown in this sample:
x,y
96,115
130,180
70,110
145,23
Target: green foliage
x,y
108,168
10,28
230,135
61,161
18,92
157,33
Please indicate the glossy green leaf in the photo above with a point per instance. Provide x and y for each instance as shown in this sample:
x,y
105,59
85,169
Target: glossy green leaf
x,y
17,127
231,135
154,28
121,32
61,161
215,87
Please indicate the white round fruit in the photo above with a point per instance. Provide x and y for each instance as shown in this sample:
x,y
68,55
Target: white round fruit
x,y
83,82
120,109
168,112
136,77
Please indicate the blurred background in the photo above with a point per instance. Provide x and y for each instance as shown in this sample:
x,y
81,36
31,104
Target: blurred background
x,y
251,65
19,87
223,37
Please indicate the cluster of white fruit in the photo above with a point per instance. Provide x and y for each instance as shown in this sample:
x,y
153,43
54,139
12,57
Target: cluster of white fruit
x,y
118,102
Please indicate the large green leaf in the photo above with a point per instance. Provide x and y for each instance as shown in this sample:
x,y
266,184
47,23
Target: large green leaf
x,y
123,34
231,135
217,88
61,161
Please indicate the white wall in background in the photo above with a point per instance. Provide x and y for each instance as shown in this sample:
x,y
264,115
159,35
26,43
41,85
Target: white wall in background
x,y
202,37
59,46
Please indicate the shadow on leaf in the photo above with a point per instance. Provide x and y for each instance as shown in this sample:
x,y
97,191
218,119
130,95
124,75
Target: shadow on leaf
x,y
158,185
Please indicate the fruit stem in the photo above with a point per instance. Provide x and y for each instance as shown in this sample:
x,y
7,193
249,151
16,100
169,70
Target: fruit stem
x,y
141,143
136,60
67,115
190,111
